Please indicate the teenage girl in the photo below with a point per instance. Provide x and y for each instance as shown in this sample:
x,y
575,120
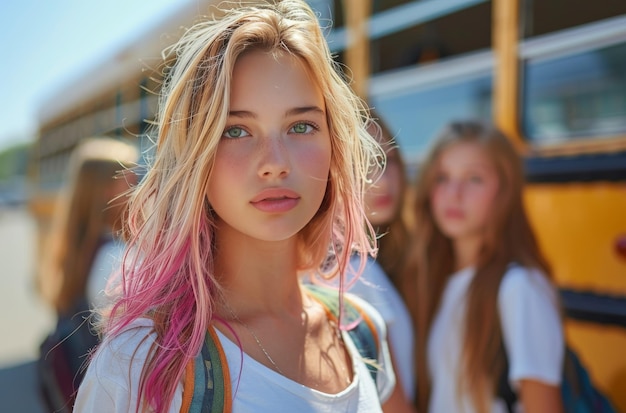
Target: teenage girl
x,y
261,161
88,215
477,282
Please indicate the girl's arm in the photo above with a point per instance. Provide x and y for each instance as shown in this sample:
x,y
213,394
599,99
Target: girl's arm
x,y
533,338
397,403
538,397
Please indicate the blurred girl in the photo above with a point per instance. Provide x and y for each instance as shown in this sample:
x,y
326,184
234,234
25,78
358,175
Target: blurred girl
x,y
378,283
260,164
87,217
78,254
477,282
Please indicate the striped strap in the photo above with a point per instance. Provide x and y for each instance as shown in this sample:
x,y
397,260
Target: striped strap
x,y
207,387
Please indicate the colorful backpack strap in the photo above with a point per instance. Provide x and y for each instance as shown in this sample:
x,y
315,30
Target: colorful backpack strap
x,y
207,380
364,334
207,388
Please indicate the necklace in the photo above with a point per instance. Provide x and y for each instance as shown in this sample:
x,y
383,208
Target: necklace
x,y
330,322
256,338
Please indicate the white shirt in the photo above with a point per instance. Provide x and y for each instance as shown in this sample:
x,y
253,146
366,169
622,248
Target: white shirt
x,y
107,260
532,332
375,287
112,378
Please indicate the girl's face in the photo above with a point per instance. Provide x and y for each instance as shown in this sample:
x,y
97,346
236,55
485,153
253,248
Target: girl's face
x,y
382,199
272,163
464,192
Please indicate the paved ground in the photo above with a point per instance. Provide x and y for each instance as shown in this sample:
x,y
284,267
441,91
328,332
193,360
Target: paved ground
x,y
24,319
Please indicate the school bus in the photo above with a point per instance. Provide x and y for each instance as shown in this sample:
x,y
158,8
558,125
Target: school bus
x,y
550,73
117,97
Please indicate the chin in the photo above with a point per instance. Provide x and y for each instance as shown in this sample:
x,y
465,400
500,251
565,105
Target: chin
x,y
454,231
380,219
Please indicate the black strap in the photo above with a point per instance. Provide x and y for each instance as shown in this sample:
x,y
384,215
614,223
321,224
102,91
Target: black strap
x,y
504,390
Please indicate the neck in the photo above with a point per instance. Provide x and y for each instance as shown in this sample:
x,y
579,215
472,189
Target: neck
x,y
258,276
466,251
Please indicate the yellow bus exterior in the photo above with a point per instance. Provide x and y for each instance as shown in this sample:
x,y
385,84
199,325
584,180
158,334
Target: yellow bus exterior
x,y
576,192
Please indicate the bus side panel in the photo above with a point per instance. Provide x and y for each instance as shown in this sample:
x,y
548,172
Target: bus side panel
x,y
578,225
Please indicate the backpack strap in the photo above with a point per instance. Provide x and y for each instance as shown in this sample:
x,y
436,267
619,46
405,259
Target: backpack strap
x,y
206,388
503,389
364,334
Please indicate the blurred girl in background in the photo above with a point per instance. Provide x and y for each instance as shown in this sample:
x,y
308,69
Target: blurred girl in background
x,y
83,248
478,285
378,283
87,217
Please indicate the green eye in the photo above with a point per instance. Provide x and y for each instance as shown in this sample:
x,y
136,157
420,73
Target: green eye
x,y
234,132
301,128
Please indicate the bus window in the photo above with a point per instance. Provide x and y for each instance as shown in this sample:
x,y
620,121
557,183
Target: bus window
x,y
418,102
407,33
547,16
580,95
434,39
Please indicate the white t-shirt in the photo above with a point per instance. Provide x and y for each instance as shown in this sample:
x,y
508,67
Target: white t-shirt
x,y
107,260
112,378
532,332
377,289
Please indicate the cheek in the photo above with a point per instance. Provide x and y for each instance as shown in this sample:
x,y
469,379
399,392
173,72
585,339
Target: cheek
x,y
224,177
485,202
436,199
314,161
395,182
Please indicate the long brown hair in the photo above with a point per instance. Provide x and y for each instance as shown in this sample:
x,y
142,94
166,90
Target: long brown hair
x,y
394,234
85,211
509,238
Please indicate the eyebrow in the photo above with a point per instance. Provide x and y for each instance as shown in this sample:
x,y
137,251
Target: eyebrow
x,y
290,112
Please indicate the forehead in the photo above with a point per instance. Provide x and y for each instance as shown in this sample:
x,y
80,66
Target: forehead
x,y
465,155
273,77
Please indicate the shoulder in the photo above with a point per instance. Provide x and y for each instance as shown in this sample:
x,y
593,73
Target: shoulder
x,y
112,380
526,293
112,249
372,274
119,359
531,325
118,354
521,281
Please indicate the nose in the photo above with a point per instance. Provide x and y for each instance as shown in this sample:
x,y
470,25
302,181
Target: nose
x,y
274,158
454,188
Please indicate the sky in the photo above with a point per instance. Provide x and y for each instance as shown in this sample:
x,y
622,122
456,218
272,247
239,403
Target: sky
x,y
44,44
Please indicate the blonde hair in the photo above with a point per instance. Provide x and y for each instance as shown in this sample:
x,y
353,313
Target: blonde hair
x,y
169,275
509,238
85,212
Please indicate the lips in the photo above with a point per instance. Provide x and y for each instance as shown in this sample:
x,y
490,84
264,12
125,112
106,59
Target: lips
x,y
454,214
275,200
383,201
